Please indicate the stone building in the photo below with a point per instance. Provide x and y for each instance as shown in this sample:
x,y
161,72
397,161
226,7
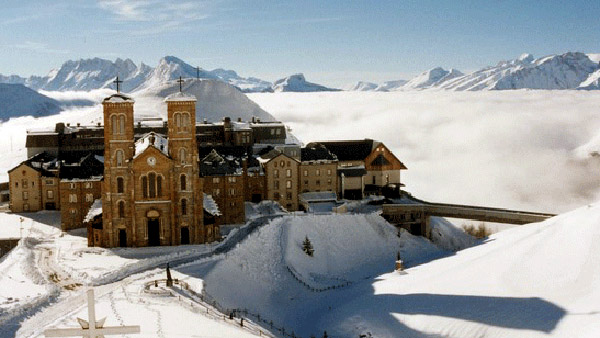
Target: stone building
x,y
281,173
224,181
318,169
77,195
152,192
365,167
33,184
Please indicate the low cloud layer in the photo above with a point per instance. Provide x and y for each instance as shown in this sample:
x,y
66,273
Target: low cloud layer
x,y
514,149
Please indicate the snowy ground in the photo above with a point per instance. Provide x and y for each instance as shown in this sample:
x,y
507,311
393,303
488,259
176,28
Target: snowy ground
x,y
537,280
47,275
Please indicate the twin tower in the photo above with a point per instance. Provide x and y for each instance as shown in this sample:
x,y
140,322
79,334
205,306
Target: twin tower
x,y
152,192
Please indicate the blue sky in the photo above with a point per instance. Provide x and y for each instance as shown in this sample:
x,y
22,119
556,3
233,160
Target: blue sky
x,y
332,42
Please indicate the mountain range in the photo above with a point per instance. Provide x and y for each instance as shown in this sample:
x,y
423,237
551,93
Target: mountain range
x,y
571,70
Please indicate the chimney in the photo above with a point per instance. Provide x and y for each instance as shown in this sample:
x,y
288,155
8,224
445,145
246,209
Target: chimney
x,y
59,128
253,119
239,119
78,124
68,124
205,121
99,124
257,120
227,122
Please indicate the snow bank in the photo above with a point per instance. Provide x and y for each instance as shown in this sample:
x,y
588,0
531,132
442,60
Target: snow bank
x,y
269,274
447,236
536,280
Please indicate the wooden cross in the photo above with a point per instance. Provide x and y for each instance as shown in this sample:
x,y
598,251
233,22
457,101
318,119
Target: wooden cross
x,y
117,81
92,328
181,81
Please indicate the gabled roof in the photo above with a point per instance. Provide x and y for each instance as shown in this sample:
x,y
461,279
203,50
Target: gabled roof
x,y
151,139
95,210
273,154
214,164
40,162
349,150
210,205
380,160
316,152
88,167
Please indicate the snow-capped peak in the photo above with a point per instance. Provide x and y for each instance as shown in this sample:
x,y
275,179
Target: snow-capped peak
x,y
297,83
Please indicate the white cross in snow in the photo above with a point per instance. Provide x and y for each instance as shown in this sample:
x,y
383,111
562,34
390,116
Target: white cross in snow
x,y
92,328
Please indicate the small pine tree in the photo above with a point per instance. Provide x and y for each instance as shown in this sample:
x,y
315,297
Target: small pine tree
x,y
325,334
307,247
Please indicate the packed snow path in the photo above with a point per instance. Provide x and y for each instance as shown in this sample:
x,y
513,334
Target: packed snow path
x,y
60,300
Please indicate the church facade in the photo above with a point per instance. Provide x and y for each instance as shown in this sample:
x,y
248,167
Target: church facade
x,y
152,191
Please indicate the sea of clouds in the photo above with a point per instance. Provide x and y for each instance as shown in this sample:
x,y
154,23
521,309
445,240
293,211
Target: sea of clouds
x,y
516,149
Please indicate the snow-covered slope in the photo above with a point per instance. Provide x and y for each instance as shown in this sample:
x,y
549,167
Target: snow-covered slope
x,y
171,68
269,274
88,74
297,83
537,280
362,86
17,100
592,82
390,85
96,73
431,77
564,71
215,100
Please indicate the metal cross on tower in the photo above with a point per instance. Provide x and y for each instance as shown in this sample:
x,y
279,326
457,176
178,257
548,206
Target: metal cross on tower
x,y
92,328
181,81
117,81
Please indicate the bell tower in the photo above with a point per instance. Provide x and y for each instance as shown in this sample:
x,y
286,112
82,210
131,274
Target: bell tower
x,y
187,207
117,188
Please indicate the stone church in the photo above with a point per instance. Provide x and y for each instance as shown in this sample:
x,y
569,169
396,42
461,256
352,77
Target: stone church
x,y
152,191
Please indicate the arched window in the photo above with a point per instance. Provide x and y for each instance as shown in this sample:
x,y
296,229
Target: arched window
x,y
159,186
182,155
178,120
113,123
152,185
119,156
120,185
183,182
185,121
145,186
121,207
122,124
184,206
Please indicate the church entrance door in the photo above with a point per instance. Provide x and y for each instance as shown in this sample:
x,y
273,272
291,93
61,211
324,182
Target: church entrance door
x,y
153,232
122,238
185,235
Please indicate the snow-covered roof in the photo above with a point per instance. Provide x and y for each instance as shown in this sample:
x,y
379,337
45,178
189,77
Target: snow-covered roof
x,y
89,179
152,139
95,210
210,205
180,96
118,98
